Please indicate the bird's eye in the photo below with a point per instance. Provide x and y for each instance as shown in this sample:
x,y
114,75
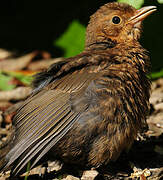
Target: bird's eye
x,y
116,20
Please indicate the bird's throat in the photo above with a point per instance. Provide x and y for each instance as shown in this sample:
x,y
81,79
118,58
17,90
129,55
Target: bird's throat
x,y
102,45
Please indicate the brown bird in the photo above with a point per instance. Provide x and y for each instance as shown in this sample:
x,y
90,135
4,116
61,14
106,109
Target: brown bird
x,y
87,109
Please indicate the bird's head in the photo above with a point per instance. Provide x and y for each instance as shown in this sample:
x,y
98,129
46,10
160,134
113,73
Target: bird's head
x,y
117,23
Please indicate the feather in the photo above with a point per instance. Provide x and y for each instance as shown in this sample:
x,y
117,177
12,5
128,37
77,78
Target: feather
x,y
45,118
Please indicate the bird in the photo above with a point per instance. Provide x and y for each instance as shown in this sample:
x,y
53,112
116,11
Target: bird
x,y
89,108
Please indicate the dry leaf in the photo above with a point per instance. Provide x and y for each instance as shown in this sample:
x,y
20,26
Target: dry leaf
x,y
17,63
4,105
4,54
15,94
43,64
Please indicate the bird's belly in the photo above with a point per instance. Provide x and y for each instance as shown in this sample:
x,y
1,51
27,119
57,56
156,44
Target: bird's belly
x,y
87,148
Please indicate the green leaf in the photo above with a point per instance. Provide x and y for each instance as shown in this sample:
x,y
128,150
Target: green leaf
x,y
25,79
5,82
72,40
156,75
160,1
135,3
27,171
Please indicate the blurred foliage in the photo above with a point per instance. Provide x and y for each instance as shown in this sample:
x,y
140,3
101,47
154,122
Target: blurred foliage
x,y
160,1
7,80
72,40
27,171
156,75
23,78
135,3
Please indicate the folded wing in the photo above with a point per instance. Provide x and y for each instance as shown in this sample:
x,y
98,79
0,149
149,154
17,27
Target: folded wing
x,y
45,118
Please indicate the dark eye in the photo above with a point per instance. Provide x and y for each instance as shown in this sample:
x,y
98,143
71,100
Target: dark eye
x,y
116,20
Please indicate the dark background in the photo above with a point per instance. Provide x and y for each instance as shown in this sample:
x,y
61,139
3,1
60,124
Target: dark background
x,y
27,25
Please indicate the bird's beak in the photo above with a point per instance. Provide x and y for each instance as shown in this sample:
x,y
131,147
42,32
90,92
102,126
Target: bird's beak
x,y
141,14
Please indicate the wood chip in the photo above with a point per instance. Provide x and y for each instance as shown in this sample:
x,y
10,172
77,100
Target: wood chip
x,y
54,166
1,117
89,175
69,177
139,173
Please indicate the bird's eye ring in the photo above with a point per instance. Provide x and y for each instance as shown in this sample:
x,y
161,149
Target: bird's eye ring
x,y
116,20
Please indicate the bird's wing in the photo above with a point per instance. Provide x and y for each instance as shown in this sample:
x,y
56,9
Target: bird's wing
x,y
45,118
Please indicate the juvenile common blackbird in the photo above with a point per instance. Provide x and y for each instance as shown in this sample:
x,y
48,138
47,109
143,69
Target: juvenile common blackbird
x,y
87,109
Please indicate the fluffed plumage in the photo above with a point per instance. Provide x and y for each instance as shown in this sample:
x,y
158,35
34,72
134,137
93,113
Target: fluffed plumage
x,y
89,108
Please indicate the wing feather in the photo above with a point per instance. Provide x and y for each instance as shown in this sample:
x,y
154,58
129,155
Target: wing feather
x,y
44,145
45,118
42,115
36,129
